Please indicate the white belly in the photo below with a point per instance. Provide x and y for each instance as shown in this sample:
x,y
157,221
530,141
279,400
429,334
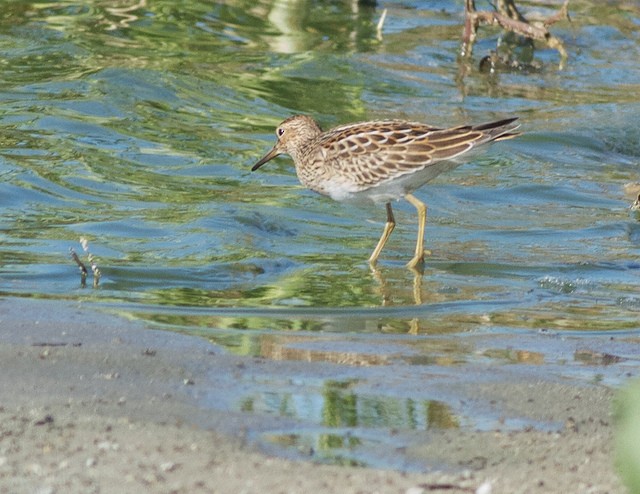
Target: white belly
x,y
339,188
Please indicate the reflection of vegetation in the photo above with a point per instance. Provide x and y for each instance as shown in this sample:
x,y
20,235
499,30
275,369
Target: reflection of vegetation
x,y
328,442
324,446
339,409
346,412
344,408
439,416
561,310
247,405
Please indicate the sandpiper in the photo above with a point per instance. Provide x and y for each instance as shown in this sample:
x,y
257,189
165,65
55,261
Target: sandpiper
x,y
380,161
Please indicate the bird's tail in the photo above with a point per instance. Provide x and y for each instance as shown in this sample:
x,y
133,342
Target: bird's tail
x,y
499,130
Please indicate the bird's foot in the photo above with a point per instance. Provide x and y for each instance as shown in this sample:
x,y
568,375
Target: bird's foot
x,y
417,263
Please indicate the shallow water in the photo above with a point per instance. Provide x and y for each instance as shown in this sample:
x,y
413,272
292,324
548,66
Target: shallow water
x,y
135,126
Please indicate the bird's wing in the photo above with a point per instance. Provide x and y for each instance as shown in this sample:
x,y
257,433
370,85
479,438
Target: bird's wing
x,y
373,152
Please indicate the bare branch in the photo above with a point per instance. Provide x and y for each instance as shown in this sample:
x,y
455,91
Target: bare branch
x,y
74,256
509,18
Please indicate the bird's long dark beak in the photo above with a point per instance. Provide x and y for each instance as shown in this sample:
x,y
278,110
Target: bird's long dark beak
x,y
269,156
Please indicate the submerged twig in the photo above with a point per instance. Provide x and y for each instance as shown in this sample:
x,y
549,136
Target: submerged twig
x,y
509,18
74,256
83,268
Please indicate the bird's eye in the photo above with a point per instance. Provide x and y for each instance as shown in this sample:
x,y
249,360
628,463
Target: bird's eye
x,y
280,131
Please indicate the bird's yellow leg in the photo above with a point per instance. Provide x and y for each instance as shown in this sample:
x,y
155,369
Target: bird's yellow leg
x,y
418,258
388,228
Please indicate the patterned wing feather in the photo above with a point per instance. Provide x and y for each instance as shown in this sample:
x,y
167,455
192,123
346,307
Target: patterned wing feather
x,y
374,152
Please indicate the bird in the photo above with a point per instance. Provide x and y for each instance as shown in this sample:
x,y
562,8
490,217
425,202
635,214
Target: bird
x,y
380,161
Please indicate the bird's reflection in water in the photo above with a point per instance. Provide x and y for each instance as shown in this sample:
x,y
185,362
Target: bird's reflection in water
x,y
387,292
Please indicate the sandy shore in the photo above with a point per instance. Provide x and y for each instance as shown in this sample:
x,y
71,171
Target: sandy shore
x,y
95,403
